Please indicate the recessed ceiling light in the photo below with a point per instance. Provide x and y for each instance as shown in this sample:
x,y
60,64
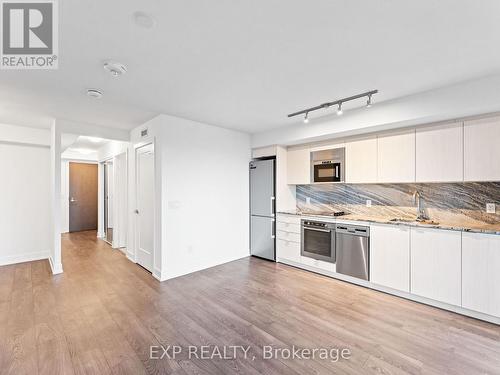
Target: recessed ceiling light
x,y
116,69
94,93
144,20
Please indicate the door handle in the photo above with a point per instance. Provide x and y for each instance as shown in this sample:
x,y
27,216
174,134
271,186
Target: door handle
x,y
273,230
136,211
272,204
72,200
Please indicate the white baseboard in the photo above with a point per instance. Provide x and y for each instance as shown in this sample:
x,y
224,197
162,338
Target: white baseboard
x,y
28,257
56,268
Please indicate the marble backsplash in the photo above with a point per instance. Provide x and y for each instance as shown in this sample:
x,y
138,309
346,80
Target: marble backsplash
x,y
454,203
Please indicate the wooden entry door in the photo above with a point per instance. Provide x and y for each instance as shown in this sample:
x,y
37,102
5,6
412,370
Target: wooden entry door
x,y
82,197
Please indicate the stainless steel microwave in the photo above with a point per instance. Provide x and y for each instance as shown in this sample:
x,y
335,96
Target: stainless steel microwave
x,y
328,165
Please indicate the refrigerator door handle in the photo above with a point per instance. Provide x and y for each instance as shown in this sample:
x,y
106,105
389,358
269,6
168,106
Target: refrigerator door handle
x,y
333,245
273,229
273,199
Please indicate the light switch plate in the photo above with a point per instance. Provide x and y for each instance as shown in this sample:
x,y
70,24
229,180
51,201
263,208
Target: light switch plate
x,y
308,200
490,208
368,203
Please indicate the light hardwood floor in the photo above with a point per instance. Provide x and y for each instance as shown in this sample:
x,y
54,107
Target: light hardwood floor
x,y
102,315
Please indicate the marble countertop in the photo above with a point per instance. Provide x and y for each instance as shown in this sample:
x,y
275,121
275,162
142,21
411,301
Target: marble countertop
x,y
463,227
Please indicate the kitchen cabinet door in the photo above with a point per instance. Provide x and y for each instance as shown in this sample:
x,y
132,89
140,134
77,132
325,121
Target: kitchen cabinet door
x,y
263,152
482,149
396,156
361,160
439,153
390,256
287,250
436,264
481,273
299,167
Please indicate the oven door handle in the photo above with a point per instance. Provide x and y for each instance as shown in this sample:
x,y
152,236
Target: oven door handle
x,y
318,230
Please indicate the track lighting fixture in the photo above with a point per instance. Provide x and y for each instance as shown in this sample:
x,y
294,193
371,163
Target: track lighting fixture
x,y
306,118
338,103
339,109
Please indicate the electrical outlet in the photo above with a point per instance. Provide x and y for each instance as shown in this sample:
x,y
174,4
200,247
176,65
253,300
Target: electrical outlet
x,y
490,208
368,203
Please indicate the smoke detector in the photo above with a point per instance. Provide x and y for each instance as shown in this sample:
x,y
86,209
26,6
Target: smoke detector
x,y
94,93
116,69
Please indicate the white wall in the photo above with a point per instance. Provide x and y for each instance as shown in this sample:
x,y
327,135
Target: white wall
x,y
25,201
204,189
24,135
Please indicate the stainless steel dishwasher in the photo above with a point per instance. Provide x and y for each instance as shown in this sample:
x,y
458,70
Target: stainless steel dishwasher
x,y
353,251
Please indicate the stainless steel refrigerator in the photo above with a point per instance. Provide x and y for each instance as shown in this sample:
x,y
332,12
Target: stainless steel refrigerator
x,y
262,209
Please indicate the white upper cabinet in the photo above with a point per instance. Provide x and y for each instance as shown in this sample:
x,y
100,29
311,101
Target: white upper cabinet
x,y
299,166
264,152
361,160
439,153
482,149
390,256
436,264
396,157
481,273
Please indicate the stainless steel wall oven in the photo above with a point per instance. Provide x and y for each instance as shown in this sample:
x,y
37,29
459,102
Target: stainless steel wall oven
x,y
318,240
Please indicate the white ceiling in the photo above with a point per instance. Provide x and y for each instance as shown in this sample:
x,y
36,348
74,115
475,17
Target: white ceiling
x,y
84,143
246,64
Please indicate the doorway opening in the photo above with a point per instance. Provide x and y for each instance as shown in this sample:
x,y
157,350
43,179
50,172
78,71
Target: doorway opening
x,y
94,187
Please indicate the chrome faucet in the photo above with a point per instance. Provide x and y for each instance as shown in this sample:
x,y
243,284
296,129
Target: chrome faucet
x,y
417,197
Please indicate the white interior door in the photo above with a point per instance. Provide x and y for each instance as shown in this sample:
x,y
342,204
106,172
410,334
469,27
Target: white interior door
x,y
121,200
145,206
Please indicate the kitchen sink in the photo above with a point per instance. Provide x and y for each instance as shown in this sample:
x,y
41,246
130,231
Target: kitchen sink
x,y
414,221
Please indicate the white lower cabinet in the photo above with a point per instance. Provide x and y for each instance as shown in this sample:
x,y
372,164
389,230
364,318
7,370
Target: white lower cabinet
x,y
288,237
481,273
287,250
390,256
436,264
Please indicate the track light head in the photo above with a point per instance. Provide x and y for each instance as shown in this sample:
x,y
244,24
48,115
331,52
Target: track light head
x,y
369,101
306,118
339,109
